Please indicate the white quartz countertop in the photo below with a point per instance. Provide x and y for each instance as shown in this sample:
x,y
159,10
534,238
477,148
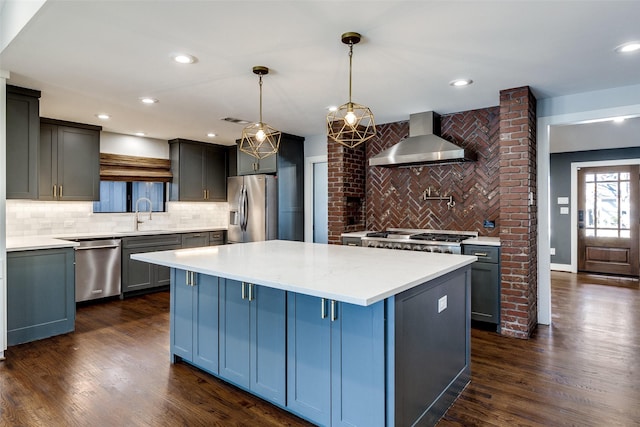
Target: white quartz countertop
x,y
37,242
66,240
483,241
350,274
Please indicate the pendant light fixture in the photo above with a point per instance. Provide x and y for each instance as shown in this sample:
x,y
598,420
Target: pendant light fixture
x,y
351,124
259,139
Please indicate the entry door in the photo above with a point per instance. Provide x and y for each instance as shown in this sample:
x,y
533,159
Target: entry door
x,y
608,220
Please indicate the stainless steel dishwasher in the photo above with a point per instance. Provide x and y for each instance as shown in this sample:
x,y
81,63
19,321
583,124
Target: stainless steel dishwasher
x,y
97,269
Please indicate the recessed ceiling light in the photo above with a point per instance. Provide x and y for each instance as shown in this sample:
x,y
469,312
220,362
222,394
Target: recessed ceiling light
x,y
183,58
460,82
628,47
148,100
140,134
618,119
103,116
211,135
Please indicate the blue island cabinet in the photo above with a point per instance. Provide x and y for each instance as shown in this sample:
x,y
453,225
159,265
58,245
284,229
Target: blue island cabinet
x,y
252,338
194,319
336,361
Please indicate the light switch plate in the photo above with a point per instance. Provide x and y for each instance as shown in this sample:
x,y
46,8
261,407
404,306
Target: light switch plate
x,y
442,304
564,210
563,200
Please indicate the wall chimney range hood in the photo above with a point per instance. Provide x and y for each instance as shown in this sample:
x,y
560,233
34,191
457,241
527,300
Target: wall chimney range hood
x,y
423,145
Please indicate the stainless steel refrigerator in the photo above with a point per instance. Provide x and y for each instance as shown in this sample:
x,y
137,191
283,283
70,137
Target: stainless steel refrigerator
x,y
253,208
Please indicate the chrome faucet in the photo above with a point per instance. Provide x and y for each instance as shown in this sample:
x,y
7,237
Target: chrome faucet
x,y
136,216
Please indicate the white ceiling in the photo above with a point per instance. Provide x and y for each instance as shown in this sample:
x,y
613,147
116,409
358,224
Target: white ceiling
x,y
89,57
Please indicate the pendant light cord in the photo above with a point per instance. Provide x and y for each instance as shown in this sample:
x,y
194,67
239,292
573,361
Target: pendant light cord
x,y
260,84
350,68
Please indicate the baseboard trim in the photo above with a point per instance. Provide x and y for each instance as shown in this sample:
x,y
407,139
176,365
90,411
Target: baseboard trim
x,y
561,267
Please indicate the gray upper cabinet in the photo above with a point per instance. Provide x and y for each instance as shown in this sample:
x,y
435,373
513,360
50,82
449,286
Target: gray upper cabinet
x,y
199,171
69,161
249,165
291,151
22,130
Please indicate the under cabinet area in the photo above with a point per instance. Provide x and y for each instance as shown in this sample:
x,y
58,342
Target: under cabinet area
x,y
40,294
69,161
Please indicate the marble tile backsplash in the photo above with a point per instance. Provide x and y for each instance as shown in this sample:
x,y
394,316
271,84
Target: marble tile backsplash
x,y
35,218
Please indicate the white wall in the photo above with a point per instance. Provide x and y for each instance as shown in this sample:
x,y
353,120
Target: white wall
x,y
115,143
566,110
14,15
315,145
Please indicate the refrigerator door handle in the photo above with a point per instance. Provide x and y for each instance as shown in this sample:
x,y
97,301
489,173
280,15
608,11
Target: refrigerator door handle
x,y
240,207
245,209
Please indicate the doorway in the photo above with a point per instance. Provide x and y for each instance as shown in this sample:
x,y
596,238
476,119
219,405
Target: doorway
x,y
608,238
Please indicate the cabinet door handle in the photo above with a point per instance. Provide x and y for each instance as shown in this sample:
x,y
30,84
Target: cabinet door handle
x,y
334,312
243,291
250,291
190,278
55,191
61,191
323,308
480,254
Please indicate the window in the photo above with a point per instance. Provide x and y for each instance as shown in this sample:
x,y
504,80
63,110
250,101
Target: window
x,y
607,205
117,196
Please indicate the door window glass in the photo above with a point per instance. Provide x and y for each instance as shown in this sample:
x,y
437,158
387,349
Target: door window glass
x,y
607,205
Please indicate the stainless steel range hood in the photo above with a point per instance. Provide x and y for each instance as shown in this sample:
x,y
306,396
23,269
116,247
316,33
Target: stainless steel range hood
x,y
422,145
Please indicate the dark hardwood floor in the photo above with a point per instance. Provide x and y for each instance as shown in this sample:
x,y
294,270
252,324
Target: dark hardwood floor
x,y
114,370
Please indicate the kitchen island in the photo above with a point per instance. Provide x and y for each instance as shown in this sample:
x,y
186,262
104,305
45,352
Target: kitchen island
x,y
337,335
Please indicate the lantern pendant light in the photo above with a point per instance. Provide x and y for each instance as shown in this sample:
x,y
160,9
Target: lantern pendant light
x,y
259,139
351,124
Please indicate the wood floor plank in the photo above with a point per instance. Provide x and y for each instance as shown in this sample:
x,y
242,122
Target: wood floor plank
x,y
114,370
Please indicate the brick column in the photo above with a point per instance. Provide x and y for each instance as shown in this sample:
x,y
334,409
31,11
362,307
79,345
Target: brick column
x,y
346,188
518,212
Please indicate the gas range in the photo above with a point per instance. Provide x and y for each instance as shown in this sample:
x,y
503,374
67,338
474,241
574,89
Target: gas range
x,y
438,241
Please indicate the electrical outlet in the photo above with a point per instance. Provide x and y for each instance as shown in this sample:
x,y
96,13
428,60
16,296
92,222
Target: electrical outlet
x,y
553,251
442,304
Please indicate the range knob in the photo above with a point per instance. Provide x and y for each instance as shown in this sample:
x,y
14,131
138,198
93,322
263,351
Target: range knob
x,y
436,250
407,247
426,249
417,248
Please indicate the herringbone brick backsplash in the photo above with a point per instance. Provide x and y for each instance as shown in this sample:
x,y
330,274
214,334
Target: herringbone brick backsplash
x,y
394,195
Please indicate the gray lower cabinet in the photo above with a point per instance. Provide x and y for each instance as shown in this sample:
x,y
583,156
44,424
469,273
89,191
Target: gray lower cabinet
x,y
40,294
401,361
216,238
485,283
195,240
252,338
139,276
69,161
335,361
22,135
194,319
352,241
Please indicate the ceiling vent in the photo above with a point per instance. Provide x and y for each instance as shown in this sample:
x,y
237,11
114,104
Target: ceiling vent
x,y
234,120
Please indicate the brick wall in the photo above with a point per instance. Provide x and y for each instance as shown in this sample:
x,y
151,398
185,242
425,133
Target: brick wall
x,y
394,195
494,187
346,183
518,213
